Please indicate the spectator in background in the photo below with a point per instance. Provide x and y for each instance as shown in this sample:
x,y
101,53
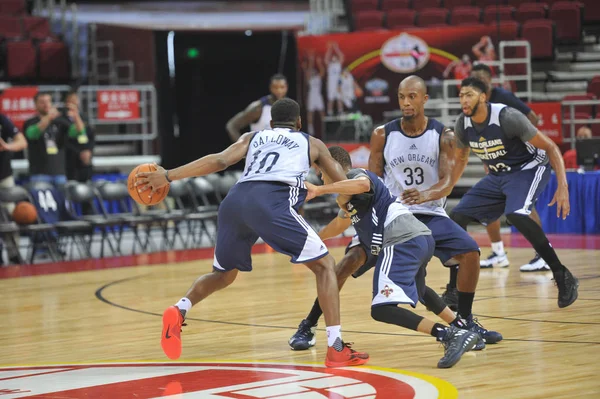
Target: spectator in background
x,y
11,140
80,148
461,68
47,134
570,156
334,60
500,95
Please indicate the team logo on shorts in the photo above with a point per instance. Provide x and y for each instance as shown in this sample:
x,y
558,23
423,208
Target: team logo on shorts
x,y
405,53
218,380
387,291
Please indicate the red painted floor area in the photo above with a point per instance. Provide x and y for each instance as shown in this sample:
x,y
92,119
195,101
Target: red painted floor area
x,y
559,241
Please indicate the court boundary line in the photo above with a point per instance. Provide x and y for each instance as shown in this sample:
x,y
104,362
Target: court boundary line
x,y
99,295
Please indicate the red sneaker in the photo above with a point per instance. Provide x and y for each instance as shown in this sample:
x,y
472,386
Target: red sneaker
x,y
346,357
171,333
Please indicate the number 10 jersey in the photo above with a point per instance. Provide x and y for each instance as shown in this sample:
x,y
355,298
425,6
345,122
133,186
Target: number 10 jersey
x,y
278,155
413,162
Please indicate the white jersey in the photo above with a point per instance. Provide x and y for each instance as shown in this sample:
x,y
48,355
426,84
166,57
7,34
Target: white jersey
x,y
334,71
413,162
315,83
278,155
264,122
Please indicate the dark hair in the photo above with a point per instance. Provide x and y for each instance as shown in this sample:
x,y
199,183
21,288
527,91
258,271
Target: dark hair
x,y
482,68
476,83
41,93
341,156
69,94
277,76
285,110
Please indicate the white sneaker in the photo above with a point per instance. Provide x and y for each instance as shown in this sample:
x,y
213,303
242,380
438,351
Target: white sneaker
x,y
494,260
536,264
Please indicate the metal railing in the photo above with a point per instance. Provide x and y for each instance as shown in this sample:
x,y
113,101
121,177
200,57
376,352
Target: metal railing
x,y
570,121
143,129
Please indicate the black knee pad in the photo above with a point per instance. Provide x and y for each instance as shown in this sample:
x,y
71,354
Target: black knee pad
x,y
392,314
461,219
530,229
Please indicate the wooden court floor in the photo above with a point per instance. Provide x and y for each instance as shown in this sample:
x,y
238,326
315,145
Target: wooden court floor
x,y
113,315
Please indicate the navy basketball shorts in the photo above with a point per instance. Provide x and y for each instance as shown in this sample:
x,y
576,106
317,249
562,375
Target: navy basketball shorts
x,y
450,239
371,259
268,210
400,272
495,195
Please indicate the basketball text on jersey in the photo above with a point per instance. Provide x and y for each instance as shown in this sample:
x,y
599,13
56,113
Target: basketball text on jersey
x,y
282,140
488,149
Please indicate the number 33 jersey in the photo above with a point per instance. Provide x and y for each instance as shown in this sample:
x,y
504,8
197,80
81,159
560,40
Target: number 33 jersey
x,y
413,162
278,155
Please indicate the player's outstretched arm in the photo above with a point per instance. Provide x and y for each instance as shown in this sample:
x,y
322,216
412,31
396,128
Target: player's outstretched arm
x,y
376,161
336,227
204,166
244,118
358,185
320,155
561,196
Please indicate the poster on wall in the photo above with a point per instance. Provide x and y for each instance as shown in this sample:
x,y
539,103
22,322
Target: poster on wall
x,y
550,119
17,104
118,104
360,71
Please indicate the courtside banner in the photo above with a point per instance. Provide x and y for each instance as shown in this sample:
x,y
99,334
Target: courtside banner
x,y
363,69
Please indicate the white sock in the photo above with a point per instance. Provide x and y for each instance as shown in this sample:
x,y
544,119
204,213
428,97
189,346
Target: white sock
x,y
333,333
498,248
184,304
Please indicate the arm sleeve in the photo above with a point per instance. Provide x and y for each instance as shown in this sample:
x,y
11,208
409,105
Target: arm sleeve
x,y
33,132
460,133
515,124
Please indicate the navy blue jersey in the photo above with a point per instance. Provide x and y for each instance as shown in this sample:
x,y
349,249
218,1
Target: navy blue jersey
x,y
369,210
503,96
502,142
50,204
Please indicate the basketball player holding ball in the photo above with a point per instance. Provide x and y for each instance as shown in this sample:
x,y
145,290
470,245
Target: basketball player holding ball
x,y
264,203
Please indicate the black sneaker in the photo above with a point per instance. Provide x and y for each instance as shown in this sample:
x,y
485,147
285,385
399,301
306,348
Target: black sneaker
x,y
456,342
489,336
304,337
450,297
567,288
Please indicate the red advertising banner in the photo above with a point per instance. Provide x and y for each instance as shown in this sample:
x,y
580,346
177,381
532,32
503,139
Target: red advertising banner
x,y
18,105
345,72
118,104
359,152
550,123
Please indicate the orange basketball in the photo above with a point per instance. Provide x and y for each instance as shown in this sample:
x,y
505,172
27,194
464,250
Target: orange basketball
x,y
143,197
25,213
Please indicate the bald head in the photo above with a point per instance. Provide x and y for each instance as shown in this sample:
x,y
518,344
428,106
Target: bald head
x,y
584,132
415,83
412,96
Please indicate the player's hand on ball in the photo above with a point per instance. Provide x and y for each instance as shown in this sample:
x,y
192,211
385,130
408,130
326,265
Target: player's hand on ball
x,y
561,199
151,180
412,196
